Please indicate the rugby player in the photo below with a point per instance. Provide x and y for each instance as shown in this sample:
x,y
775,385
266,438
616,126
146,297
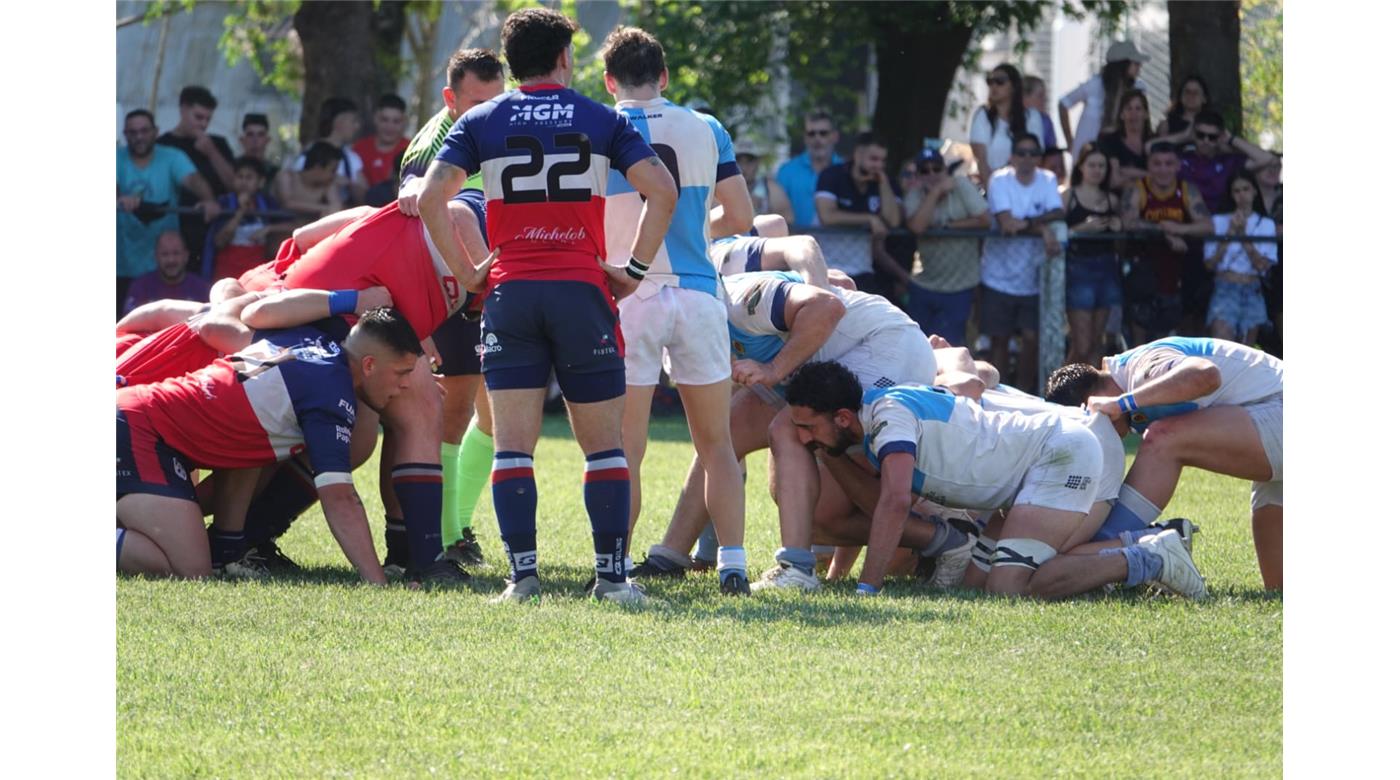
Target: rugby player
x,y
545,152
290,389
925,440
1201,402
677,316
474,76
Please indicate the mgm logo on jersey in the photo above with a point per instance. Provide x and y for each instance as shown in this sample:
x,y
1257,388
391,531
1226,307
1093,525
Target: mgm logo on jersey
x,y
542,114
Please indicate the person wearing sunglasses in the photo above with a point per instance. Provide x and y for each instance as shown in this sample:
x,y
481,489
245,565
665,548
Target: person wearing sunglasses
x,y
1219,156
946,270
996,124
798,176
1101,93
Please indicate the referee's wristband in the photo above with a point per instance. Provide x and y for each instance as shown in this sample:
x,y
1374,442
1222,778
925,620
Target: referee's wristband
x,y
1127,403
344,301
637,269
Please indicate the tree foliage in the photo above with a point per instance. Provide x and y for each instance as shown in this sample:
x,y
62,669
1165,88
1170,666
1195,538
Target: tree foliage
x,y
1261,70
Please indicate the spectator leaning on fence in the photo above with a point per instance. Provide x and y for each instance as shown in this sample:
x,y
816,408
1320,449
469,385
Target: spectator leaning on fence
x,y
996,125
148,179
256,135
1092,286
860,194
1101,94
1237,305
238,239
172,277
798,176
946,270
1126,145
1191,98
1024,201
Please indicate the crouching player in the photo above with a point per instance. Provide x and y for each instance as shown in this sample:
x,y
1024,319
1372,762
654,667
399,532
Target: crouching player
x,y
926,440
290,390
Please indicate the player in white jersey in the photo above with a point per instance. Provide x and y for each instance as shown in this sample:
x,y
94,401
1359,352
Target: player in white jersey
x,y
769,247
1208,403
1040,468
676,318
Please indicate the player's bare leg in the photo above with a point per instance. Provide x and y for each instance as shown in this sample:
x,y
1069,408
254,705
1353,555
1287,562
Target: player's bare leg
x,y
1268,544
636,418
414,452
158,315
1221,439
793,481
706,413
174,527
1051,527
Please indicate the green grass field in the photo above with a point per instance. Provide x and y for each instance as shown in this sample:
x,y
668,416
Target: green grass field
x,y
320,677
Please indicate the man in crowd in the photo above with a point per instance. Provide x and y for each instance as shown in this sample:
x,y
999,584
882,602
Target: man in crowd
x,y
1040,467
238,239
860,194
474,76
380,150
947,271
310,190
677,315
172,277
149,176
798,176
211,155
1166,202
1024,201
1219,154
550,301
339,126
1208,403
254,140
292,389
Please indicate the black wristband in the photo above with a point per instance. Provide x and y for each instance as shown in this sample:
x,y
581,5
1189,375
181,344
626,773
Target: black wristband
x,y
637,269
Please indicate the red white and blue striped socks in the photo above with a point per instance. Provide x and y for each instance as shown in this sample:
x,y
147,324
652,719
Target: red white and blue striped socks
x,y
607,495
515,497
418,486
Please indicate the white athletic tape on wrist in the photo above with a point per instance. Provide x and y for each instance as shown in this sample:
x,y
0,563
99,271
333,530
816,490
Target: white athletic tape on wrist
x,y
1025,553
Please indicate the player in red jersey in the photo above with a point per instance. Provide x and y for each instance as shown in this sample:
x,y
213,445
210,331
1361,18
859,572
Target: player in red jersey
x,y
292,390
545,153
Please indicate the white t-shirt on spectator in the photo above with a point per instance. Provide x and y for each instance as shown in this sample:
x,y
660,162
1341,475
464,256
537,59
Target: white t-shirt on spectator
x,y
998,139
1236,259
1092,94
1012,265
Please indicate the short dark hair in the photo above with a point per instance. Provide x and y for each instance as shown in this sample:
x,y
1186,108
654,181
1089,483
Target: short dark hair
x,y
818,115
482,63
320,153
256,119
198,96
824,387
1162,146
1072,384
389,327
533,38
390,101
330,109
252,164
1022,137
1210,117
132,114
869,138
634,57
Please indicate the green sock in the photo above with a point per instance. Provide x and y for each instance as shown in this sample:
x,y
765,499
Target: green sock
x,y
451,531
478,452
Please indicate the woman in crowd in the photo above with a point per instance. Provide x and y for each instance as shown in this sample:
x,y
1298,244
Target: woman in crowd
x,y
1101,95
1237,306
1092,285
1269,179
1003,118
1190,99
1126,146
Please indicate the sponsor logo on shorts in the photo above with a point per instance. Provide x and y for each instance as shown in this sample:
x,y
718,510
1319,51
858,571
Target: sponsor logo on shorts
x,y
542,113
1078,483
179,469
533,233
605,346
488,345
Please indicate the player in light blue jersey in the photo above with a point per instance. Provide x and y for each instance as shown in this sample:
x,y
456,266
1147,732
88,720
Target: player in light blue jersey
x,y
676,318
1208,403
1040,468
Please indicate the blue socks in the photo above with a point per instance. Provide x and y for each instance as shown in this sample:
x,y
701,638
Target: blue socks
x,y
514,494
798,558
707,548
607,495
1143,564
1131,512
418,486
121,537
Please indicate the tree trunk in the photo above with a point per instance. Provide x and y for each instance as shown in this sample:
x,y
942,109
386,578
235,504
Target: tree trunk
x,y
335,39
1205,39
916,68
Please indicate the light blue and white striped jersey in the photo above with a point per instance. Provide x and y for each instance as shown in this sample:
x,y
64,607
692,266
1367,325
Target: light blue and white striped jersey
x,y
756,323
698,152
964,456
1005,398
1246,374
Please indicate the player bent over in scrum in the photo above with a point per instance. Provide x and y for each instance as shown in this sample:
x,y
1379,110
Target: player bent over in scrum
x,y
294,388
925,440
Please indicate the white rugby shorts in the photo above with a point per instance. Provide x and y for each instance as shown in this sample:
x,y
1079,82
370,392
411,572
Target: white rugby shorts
x,y
1267,415
686,331
1063,477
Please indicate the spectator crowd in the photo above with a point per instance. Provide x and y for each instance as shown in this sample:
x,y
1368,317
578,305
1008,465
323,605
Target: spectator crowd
x,y
1146,220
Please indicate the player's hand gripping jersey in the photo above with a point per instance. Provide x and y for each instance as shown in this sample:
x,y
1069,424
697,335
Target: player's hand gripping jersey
x,y
1004,398
289,390
1247,375
698,152
544,152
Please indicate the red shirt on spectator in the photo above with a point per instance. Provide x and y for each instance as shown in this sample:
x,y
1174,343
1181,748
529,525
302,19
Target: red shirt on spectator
x,y
379,166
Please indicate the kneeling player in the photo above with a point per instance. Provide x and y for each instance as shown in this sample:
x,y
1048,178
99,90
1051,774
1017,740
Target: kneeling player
x,y
292,389
925,440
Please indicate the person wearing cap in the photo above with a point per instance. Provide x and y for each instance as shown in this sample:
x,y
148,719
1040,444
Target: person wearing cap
x,y
1100,94
767,194
946,270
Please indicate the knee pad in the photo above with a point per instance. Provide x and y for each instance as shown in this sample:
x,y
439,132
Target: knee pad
x,y
983,552
1025,553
